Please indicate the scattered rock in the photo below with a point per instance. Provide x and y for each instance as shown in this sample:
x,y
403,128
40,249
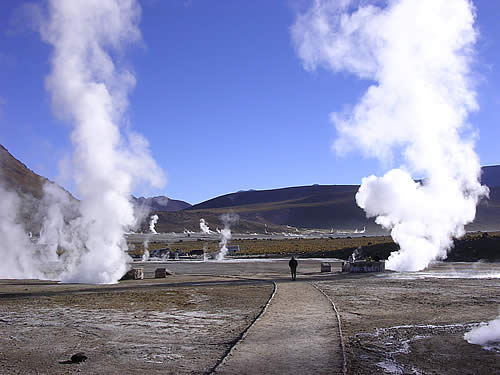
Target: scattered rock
x,y
161,273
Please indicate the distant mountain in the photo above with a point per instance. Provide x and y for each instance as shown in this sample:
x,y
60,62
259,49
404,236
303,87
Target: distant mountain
x,y
488,210
17,177
162,203
491,175
329,206
317,206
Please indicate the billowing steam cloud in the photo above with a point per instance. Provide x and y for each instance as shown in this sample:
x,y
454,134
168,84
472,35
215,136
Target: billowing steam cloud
x,y
204,227
89,90
152,223
418,55
487,335
17,251
225,234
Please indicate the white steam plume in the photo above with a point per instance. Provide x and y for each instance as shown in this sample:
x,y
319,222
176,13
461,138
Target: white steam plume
x,y
487,335
152,223
145,255
418,53
90,91
62,230
204,228
225,234
19,255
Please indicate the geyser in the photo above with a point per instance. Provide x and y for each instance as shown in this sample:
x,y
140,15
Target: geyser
x,y
225,234
89,90
417,56
152,223
486,335
204,228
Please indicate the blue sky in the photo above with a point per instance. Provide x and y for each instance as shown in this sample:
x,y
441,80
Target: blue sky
x,y
222,98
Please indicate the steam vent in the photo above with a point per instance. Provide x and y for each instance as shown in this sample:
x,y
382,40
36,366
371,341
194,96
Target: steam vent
x,y
361,266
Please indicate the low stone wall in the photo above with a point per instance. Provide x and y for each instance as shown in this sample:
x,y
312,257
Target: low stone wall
x,y
363,266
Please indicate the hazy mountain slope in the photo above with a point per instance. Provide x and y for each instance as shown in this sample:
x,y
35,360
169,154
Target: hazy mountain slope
x,y
329,206
178,221
316,193
15,176
491,175
162,203
316,206
488,210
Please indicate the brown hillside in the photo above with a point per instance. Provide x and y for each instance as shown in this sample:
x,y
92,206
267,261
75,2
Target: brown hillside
x,y
15,176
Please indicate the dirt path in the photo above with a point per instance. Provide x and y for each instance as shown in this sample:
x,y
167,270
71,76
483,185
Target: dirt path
x,y
298,334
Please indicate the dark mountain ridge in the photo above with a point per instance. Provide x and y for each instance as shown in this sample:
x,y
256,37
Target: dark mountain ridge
x,y
491,175
306,194
329,206
316,206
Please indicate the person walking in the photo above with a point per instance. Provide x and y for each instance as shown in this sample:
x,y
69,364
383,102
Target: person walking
x,y
293,268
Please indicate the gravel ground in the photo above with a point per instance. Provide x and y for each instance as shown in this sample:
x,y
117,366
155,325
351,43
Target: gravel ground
x,y
185,324
182,330
415,323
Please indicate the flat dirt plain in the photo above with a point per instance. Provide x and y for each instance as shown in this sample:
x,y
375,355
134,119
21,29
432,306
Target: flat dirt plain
x,y
399,323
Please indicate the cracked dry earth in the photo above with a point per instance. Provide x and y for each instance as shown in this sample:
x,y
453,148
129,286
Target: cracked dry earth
x,y
182,330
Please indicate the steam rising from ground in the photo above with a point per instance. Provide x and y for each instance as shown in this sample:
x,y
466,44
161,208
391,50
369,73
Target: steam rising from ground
x,y
487,335
16,249
152,223
418,54
204,227
225,234
89,90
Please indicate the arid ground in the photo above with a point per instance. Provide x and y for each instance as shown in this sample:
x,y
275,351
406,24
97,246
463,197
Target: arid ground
x,y
188,322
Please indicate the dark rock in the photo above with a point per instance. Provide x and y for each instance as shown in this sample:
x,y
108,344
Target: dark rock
x,y
134,274
78,357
